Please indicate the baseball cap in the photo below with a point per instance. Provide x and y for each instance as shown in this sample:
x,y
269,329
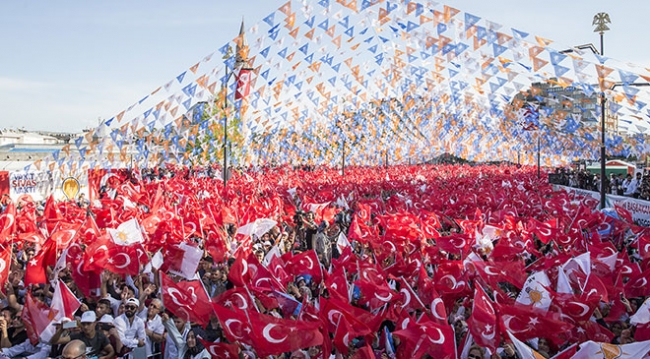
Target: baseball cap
x,y
106,319
133,301
88,317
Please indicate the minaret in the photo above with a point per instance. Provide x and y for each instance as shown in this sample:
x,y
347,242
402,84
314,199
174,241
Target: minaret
x,y
241,50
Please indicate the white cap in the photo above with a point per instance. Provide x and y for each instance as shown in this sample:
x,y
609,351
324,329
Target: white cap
x,y
106,319
133,301
88,317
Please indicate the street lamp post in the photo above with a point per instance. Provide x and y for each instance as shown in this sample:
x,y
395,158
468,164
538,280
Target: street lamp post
x,y
225,121
600,21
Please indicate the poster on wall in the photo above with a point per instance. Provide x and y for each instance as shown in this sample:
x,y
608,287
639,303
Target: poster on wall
x,y
37,184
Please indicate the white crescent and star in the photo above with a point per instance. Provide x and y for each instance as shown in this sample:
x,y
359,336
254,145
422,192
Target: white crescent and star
x,y
585,308
384,298
506,322
172,293
407,297
266,332
330,316
311,263
488,270
245,265
228,323
452,279
127,260
441,339
434,308
11,220
243,300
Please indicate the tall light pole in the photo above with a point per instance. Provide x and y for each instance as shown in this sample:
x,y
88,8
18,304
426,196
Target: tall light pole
x,y
226,56
600,21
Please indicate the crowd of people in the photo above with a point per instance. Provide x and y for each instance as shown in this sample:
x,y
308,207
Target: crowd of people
x,y
637,185
402,262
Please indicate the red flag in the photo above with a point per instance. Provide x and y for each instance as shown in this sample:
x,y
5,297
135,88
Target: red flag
x,y
186,299
104,254
337,284
342,336
529,322
238,273
37,316
333,310
235,297
376,295
275,336
221,350
243,83
638,286
64,301
8,222
89,282
483,321
306,263
65,233
235,324
428,338
35,270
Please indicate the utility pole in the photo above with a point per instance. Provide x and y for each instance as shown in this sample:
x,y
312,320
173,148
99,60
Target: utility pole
x,y
600,21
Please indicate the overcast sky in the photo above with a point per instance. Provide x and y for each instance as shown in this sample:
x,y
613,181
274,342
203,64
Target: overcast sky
x,y
66,63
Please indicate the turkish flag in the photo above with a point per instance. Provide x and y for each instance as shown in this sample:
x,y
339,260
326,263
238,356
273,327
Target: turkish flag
x,y
235,297
276,267
577,308
238,273
638,285
235,324
88,281
35,271
333,310
337,284
51,214
306,263
186,299
182,259
375,295
64,233
409,299
483,321
527,322
426,337
275,336
8,222
221,350
342,336
117,259
545,231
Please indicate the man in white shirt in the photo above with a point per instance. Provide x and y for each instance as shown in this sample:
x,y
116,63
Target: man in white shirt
x,y
130,327
633,185
153,325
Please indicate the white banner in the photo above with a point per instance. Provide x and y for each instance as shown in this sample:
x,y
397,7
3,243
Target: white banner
x,y
640,209
37,184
